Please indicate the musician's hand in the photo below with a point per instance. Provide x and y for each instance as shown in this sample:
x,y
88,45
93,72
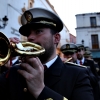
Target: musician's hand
x,y
14,40
34,75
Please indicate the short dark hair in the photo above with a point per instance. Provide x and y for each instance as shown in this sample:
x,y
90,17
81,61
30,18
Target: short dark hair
x,y
53,31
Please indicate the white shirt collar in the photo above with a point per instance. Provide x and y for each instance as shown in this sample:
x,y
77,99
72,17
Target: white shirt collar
x,y
78,61
48,64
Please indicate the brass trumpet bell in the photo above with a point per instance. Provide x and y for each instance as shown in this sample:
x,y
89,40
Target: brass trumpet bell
x,y
6,49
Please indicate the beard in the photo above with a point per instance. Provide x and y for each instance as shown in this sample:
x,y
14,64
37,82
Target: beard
x,y
45,57
47,54
79,56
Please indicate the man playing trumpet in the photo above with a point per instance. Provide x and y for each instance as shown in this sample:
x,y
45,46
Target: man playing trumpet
x,y
30,80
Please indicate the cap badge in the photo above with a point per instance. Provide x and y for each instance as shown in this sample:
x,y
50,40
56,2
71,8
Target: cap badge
x,y
28,16
67,46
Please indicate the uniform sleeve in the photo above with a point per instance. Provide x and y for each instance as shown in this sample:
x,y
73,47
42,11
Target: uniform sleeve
x,y
48,94
93,78
82,90
3,87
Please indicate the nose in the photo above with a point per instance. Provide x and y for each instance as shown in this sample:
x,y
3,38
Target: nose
x,y
78,52
31,37
69,56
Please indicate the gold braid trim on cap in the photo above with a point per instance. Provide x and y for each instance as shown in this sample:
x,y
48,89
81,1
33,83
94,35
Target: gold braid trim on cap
x,y
68,51
45,22
65,98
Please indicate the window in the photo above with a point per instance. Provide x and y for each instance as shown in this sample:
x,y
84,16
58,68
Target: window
x,y
93,21
95,43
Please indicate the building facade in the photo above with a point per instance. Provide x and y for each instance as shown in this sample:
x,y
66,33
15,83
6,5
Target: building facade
x,y
72,39
88,32
13,9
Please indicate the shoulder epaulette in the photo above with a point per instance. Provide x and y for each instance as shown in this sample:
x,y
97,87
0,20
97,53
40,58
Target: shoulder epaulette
x,y
65,98
76,64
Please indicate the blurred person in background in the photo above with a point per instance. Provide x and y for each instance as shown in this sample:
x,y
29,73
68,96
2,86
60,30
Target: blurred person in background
x,y
70,52
82,60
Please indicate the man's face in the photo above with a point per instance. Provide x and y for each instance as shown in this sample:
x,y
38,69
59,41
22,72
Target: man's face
x,y
44,38
71,55
74,56
67,56
80,54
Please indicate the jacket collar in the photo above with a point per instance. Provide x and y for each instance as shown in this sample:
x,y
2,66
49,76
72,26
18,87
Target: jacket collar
x,y
56,67
53,74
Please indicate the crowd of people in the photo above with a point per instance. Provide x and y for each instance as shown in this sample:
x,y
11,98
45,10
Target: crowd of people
x,y
81,55
74,78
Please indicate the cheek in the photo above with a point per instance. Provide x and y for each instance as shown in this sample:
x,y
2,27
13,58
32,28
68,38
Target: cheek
x,y
47,41
73,55
82,52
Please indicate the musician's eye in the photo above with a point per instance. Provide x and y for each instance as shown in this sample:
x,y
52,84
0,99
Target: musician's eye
x,y
39,31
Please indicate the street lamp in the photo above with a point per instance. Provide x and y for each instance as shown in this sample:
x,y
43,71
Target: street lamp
x,y
3,21
82,41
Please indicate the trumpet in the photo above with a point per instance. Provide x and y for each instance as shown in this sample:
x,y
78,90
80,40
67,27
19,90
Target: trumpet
x,y
21,49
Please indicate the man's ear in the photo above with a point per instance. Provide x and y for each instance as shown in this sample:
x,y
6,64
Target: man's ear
x,y
57,38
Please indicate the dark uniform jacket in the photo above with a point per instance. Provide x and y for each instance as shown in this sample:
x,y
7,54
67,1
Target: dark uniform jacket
x,y
91,65
61,80
95,82
94,79
3,68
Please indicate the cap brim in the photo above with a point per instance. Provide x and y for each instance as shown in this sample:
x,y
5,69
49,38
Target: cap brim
x,y
69,53
24,30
